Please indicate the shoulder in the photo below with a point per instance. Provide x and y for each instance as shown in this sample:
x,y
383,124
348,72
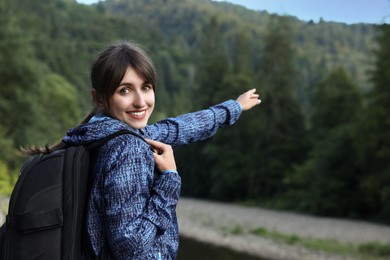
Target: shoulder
x,y
127,143
125,149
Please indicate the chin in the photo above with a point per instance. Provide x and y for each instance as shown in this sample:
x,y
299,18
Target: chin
x,y
137,125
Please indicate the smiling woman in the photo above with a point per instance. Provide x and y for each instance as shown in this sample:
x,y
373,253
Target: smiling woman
x,y
131,208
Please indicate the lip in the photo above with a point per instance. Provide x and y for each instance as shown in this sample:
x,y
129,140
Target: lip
x,y
138,115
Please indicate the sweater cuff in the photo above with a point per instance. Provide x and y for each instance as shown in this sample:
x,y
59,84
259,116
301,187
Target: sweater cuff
x,y
168,172
227,113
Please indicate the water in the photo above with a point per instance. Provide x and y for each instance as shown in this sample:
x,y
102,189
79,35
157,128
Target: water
x,y
190,249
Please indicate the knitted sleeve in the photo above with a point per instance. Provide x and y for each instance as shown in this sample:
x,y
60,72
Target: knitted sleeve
x,y
196,126
138,208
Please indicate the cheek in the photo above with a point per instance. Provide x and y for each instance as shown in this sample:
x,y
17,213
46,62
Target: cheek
x,y
150,99
116,104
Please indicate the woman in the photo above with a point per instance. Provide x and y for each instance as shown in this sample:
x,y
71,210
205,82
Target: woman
x,y
131,211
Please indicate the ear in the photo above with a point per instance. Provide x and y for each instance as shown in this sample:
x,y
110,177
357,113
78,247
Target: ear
x,y
96,99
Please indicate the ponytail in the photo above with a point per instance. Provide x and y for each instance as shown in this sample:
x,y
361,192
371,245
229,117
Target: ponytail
x,y
34,150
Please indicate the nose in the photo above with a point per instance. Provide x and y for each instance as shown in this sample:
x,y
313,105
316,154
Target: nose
x,y
139,100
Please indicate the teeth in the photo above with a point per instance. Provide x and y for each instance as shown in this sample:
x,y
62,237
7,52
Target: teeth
x,y
138,113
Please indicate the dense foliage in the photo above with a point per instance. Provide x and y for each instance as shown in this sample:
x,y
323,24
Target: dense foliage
x,y
319,142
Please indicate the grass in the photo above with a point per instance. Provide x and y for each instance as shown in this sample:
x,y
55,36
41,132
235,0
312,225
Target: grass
x,y
237,230
365,251
375,249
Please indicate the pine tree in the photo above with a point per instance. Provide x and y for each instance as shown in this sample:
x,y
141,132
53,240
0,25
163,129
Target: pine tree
x,y
231,150
278,133
212,66
327,182
372,135
211,70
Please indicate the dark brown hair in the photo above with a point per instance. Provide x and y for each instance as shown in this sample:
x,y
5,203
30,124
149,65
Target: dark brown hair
x,y
110,67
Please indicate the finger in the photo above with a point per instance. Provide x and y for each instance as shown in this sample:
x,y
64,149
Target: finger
x,y
251,91
157,147
255,101
154,144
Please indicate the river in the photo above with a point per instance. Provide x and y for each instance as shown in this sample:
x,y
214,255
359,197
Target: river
x,y
191,249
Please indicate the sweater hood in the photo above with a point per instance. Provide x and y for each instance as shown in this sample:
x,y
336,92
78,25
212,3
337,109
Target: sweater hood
x,y
92,131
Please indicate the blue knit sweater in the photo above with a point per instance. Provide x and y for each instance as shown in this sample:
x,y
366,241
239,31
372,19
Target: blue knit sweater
x,y
130,209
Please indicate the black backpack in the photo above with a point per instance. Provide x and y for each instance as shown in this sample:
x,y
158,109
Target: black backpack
x,y
46,208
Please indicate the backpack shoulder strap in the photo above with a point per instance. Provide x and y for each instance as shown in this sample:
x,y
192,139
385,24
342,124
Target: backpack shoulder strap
x,y
102,141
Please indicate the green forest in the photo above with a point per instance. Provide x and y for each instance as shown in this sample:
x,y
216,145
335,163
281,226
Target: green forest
x,y
319,143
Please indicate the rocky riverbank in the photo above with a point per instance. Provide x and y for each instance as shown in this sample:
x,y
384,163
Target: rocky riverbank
x,y
230,225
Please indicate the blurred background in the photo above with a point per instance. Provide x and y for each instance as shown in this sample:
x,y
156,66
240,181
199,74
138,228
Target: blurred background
x,y
318,144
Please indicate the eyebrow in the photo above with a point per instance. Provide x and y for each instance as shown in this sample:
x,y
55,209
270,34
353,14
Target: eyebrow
x,y
131,84
125,84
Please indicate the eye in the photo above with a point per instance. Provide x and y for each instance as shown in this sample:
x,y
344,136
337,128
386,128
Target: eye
x,y
147,87
124,90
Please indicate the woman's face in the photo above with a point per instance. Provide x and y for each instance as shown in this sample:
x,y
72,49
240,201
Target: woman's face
x,y
133,100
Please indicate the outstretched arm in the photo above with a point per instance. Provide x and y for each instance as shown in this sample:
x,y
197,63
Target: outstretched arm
x,y
203,124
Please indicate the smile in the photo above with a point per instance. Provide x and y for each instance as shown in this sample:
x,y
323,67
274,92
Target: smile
x,y
137,114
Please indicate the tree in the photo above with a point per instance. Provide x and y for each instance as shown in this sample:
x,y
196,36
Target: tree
x,y
372,137
337,100
212,66
278,133
231,151
54,94
211,70
18,77
327,182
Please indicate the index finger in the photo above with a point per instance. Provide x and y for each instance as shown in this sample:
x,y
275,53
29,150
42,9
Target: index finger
x,y
155,144
251,91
